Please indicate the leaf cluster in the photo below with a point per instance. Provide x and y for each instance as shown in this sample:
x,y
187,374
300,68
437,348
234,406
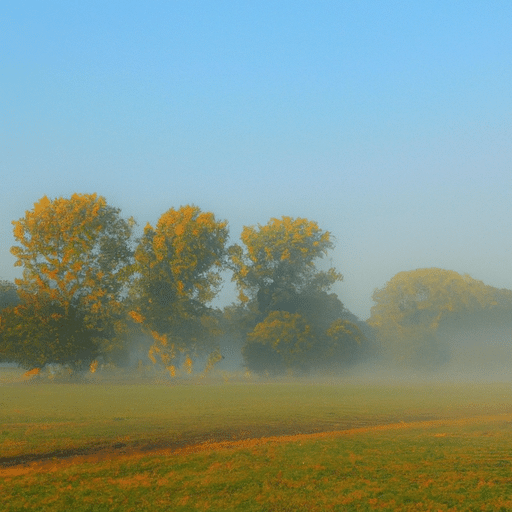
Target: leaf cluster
x,y
281,255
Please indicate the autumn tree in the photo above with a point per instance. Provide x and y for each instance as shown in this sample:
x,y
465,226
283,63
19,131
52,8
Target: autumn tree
x,y
278,262
178,265
414,305
76,258
277,274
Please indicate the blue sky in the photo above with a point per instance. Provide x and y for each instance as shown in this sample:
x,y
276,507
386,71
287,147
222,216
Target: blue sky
x,y
389,123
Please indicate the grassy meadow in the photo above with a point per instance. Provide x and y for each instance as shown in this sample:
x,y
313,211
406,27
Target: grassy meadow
x,y
257,445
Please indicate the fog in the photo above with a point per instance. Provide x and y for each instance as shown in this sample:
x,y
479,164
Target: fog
x,y
388,126
475,348
478,348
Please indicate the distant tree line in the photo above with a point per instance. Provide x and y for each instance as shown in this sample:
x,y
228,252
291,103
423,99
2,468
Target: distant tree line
x,y
89,288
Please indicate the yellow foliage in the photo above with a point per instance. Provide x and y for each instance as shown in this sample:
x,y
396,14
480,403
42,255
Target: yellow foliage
x,y
41,205
188,364
74,251
288,334
151,354
64,234
412,305
137,317
282,247
19,232
162,338
179,264
93,366
427,295
185,243
341,328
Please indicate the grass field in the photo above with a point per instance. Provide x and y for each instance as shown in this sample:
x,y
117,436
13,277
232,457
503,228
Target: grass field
x,y
269,446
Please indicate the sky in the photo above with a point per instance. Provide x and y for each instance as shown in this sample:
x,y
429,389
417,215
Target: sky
x,y
389,123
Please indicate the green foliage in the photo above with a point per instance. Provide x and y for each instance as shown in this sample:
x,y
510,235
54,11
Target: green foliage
x,y
279,260
410,309
76,260
315,333
8,299
343,342
78,265
238,320
178,267
37,332
284,334
8,295
297,324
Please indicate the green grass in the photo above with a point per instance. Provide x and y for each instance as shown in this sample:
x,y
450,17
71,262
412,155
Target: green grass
x,y
40,419
438,466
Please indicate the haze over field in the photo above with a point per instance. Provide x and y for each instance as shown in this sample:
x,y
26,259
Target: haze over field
x,y
387,123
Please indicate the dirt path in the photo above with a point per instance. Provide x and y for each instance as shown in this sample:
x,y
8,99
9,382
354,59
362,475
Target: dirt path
x,y
59,463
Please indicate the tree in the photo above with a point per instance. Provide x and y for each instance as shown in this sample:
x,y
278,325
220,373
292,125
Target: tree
x,y
178,265
278,263
8,295
410,309
76,258
277,277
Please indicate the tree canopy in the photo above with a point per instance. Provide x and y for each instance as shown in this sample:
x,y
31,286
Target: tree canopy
x,y
286,294
89,290
279,261
76,258
409,310
178,265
